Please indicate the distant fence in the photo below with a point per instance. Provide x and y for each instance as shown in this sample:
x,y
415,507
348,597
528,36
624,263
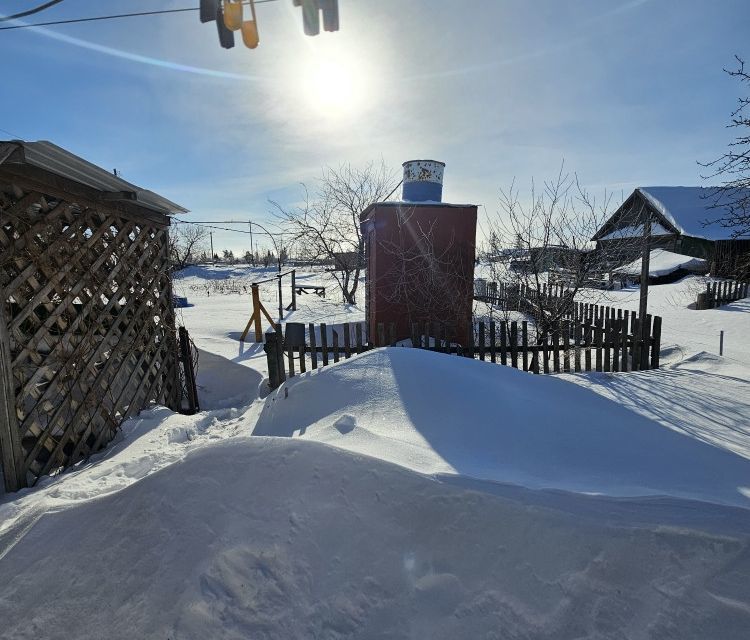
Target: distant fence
x,y
598,339
718,294
503,293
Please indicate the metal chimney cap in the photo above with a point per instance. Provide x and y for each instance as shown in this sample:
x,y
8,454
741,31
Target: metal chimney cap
x,y
403,164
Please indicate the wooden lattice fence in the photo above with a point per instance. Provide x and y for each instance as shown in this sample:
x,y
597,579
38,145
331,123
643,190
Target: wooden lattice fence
x,y
86,322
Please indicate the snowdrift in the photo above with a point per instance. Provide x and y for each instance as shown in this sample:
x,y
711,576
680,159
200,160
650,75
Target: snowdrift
x,y
441,414
662,263
275,538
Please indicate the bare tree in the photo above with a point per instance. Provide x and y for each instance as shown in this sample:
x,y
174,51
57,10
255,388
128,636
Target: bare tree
x,y
326,227
733,195
547,241
186,244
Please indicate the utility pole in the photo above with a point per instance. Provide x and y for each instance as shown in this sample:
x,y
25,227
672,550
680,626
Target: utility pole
x,y
252,251
211,234
645,260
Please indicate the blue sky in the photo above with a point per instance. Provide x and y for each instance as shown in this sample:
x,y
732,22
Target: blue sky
x,y
627,92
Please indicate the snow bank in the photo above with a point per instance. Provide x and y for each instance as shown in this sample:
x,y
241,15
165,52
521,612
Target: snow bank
x,y
441,414
662,263
274,538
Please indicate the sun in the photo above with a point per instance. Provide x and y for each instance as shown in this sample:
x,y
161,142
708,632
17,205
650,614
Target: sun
x,y
334,87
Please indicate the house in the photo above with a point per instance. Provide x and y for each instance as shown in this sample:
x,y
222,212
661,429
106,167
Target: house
x,y
679,223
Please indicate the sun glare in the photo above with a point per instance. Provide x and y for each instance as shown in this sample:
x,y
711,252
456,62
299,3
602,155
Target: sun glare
x,y
334,87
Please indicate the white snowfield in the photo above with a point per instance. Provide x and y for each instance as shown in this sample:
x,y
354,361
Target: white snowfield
x,y
405,494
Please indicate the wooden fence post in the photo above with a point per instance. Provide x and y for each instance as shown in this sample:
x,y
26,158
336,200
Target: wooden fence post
x,y
525,343
646,339
11,452
347,341
503,342
313,347
493,353
335,345
324,342
481,340
281,302
272,358
358,336
187,366
280,353
656,342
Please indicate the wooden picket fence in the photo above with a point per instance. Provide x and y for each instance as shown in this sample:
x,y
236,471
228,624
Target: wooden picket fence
x,y
596,339
718,294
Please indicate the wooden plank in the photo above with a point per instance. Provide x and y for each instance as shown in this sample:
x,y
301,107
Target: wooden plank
x,y
416,341
545,354
587,331
646,343
566,346
470,339
577,354
556,350
481,340
358,336
656,342
615,334
313,350
392,334
427,336
493,348
534,359
347,341
290,358
635,346
438,341
504,342
598,341
324,342
335,345
525,343
10,438
302,364
607,331
381,334
514,344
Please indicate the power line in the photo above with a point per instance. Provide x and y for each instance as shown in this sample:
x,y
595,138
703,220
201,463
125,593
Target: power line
x,y
106,17
213,226
29,12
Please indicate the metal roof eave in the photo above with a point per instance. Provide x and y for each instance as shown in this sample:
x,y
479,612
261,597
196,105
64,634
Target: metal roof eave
x,y
56,160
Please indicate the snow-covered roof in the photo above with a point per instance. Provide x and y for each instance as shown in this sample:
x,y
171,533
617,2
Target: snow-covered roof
x,y
662,263
636,232
688,208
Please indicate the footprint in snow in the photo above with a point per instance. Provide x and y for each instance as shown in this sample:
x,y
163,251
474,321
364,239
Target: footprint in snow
x,y
345,423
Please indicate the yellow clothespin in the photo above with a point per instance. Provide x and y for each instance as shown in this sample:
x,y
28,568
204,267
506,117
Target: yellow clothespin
x,y
233,14
250,29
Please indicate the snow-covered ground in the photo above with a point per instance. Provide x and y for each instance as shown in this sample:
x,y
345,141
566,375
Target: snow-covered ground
x,y
404,494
